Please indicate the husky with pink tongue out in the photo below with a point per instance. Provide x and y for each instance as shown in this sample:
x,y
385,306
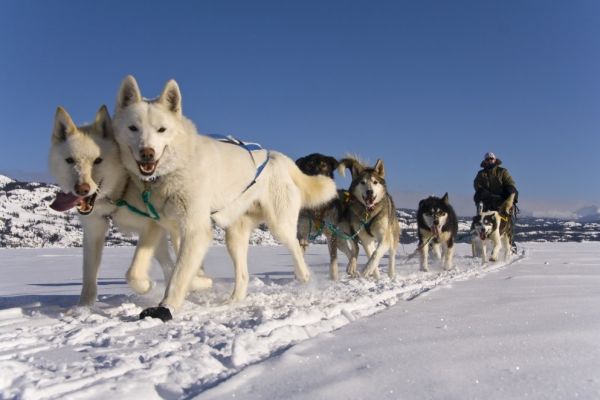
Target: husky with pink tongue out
x,y
85,161
437,226
372,217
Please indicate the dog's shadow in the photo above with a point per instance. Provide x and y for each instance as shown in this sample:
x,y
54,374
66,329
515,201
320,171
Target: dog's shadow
x,y
53,305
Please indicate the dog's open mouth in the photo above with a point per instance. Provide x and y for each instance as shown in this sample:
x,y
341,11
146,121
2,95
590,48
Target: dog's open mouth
x,y
86,204
482,234
369,202
147,168
66,201
435,230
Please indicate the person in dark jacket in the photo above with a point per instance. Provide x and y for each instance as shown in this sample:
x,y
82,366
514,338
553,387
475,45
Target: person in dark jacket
x,y
495,189
494,186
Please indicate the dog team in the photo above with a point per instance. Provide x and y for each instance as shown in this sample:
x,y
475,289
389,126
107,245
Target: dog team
x,y
150,172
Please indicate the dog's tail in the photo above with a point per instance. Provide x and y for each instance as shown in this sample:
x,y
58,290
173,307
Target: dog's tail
x,y
315,190
351,162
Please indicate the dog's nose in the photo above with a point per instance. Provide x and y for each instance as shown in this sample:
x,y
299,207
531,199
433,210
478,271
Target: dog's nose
x,y
147,154
369,193
82,189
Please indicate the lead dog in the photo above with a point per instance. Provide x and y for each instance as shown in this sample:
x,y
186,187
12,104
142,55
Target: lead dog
x,y
191,178
85,162
491,227
371,216
437,226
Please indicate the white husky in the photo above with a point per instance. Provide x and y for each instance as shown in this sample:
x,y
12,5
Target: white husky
x,y
192,178
85,161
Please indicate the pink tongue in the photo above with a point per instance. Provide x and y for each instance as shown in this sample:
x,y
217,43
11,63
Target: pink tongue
x,y
64,201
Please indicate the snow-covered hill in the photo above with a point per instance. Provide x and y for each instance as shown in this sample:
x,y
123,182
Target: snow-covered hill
x,y
27,221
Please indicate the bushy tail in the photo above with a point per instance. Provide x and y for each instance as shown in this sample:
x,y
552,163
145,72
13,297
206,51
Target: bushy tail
x,y
351,162
315,190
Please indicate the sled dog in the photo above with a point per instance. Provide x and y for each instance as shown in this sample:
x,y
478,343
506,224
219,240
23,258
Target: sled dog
x,y
326,219
491,227
86,164
371,216
437,226
191,178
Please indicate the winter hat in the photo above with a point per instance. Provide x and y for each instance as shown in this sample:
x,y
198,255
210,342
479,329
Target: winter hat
x,y
489,154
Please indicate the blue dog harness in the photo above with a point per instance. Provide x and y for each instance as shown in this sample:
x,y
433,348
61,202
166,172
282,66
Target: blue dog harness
x,y
250,147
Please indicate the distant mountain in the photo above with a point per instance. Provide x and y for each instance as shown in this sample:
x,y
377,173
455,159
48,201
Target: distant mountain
x,y
27,221
590,213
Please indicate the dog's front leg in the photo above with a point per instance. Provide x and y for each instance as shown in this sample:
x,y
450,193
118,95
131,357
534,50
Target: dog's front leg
x,y
449,254
483,250
372,267
94,236
495,237
424,254
195,240
332,244
352,269
137,274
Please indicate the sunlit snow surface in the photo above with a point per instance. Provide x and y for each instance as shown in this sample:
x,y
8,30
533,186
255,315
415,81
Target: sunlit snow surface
x,y
526,329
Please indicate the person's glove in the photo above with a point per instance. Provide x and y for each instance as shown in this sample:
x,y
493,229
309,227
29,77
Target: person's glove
x,y
507,205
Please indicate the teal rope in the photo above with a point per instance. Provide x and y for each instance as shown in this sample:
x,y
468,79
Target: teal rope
x,y
319,231
151,211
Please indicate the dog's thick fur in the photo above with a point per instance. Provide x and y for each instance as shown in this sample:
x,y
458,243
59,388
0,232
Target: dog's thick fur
x,y
371,215
193,178
86,164
491,227
322,219
437,226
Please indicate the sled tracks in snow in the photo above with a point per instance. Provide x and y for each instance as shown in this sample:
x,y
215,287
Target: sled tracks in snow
x,y
49,353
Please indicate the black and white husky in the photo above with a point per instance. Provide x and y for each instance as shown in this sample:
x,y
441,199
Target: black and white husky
x,y
437,226
491,227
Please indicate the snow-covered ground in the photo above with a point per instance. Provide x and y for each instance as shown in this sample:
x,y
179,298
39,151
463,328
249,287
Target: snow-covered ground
x,y
527,329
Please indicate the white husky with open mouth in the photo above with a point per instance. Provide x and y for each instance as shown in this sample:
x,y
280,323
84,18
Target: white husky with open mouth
x,y
191,178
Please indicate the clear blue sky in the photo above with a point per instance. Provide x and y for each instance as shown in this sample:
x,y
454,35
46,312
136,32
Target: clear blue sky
x,y
429,86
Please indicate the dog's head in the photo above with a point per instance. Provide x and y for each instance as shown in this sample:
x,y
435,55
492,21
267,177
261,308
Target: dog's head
x,y
317,164
145,128
78,159
485,223
368,183
433,212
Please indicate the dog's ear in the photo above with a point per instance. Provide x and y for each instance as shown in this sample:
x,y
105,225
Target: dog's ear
x,y
171,97
445,199
379,169
103,123
63,126
129,93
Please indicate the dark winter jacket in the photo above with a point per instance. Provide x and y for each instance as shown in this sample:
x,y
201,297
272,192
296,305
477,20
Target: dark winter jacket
x,y
493,184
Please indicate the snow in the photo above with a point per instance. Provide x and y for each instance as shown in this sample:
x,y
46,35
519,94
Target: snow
x,y
529,328
4,180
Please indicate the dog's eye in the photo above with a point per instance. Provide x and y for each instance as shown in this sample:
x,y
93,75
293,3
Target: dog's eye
x,y
97,160
375,183
161,129
133,128
70,160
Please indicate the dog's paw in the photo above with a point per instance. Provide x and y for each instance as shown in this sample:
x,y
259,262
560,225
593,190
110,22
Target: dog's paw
x,y
162,313
493,259
141,286
201,283
303,276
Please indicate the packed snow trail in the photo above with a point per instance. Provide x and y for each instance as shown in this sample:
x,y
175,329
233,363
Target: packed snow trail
x,y
48,351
